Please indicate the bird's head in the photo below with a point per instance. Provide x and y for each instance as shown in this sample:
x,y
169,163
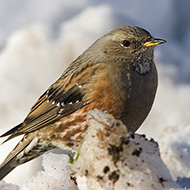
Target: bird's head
x,y
127,42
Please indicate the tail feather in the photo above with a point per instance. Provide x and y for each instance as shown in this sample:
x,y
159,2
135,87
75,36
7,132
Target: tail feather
x,y
7,168
27,149
18,148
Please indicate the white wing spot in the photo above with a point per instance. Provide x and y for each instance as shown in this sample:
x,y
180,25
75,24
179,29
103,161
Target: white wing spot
x,y
80,86
60,111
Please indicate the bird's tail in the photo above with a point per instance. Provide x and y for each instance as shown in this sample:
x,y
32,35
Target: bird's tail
x,y
27,149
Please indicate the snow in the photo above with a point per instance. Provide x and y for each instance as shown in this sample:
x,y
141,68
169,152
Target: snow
x,y
175,150
6,186
55,176
38,39
110,160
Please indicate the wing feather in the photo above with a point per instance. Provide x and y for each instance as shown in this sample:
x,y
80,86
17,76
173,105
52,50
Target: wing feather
x,y
60,100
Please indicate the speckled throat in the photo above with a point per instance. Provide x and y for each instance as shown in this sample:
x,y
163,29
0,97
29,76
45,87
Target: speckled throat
x,y
143,64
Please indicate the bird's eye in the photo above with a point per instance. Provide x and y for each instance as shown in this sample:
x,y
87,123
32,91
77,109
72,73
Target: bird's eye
x,y
126,43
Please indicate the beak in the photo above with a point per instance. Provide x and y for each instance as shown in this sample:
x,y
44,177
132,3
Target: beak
x,y
154,42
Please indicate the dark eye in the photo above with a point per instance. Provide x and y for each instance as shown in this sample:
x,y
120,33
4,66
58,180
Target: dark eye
x,y
126,43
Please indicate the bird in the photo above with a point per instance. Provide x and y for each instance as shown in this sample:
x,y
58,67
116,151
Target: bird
x,y
116,74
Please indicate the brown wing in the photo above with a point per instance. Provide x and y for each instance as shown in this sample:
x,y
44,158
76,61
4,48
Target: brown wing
x,y
46,111
62,98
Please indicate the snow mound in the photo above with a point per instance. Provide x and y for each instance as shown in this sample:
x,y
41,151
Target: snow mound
x,y
56,175
110,160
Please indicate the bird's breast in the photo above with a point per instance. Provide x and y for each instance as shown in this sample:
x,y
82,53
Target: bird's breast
x,y
125,93
142,93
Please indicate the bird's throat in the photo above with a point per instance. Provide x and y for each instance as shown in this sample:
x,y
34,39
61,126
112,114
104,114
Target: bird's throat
x,y
143,67
143,63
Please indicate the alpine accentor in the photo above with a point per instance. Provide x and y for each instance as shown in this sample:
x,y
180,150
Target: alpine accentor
x,y
116,74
